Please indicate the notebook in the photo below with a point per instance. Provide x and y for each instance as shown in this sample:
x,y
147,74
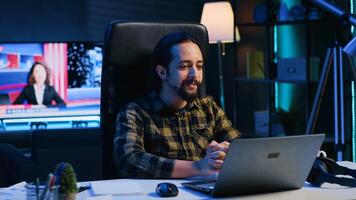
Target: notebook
x,y
261,165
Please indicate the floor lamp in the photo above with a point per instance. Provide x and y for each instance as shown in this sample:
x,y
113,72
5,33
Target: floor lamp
x,y
218,18
334,59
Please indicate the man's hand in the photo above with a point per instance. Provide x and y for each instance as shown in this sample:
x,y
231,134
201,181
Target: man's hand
x,y
216,153
204,166
214,146
214,158
209,166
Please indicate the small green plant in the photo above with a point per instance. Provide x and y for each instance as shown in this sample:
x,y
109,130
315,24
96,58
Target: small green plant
x,y
67,178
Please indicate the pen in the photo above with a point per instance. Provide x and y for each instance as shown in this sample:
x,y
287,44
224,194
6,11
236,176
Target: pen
x,y
37,187
48,185
58,173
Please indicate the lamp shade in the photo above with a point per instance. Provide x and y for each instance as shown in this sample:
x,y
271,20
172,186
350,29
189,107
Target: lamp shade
x,y
218,18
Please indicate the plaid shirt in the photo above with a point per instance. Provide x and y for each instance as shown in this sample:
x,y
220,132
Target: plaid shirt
x,y
149,136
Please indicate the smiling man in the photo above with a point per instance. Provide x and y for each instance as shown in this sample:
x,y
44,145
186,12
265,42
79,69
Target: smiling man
x,y
171,133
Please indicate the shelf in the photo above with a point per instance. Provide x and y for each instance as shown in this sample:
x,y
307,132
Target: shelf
x,y
256,80
256,96
289,22
300,22
253,80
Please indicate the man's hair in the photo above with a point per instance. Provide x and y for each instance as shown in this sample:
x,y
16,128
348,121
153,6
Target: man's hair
x,y
31,79
162,54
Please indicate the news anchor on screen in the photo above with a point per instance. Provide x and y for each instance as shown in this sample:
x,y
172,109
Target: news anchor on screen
x,y
38,91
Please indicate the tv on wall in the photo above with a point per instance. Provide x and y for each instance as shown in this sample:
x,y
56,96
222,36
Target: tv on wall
x,y
75,75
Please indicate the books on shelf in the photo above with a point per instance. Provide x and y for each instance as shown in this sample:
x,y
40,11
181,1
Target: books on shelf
x,y
255,65
295,69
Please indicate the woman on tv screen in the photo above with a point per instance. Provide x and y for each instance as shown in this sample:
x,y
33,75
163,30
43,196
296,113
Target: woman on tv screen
x,y
38,91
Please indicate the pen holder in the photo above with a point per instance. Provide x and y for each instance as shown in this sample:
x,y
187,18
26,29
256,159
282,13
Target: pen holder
x,y
34,192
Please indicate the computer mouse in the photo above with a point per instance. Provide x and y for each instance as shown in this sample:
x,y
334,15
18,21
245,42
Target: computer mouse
x,y
166,189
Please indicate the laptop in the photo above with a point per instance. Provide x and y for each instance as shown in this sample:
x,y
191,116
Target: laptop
x,y
259,165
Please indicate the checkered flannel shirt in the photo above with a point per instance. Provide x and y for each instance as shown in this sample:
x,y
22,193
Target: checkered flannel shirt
x,y
149,136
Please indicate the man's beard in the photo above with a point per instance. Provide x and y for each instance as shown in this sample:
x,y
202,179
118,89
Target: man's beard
x,y
189,97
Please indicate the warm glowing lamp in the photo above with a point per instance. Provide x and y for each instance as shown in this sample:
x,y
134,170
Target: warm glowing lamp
x,y
218,18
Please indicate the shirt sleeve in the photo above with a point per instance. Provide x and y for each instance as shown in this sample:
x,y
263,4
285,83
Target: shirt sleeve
x,y
224,130
129,152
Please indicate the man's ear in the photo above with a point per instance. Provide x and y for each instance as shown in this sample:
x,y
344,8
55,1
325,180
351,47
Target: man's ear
x,y
161,72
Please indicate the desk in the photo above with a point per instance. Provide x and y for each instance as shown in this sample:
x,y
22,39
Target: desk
x,y
326,192
329,191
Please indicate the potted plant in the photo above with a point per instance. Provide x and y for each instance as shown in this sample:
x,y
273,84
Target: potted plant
x,y
67,181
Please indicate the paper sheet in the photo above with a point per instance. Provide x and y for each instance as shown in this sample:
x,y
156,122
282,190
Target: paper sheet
x,y
103,197
116,187
14,192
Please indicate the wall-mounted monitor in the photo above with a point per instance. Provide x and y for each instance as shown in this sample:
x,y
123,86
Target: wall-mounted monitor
x,y
75,74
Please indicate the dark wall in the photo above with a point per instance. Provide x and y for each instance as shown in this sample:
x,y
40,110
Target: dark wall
x,y
101,13
40,20
65,20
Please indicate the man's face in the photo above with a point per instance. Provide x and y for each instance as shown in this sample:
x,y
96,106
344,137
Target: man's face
x,y
185,71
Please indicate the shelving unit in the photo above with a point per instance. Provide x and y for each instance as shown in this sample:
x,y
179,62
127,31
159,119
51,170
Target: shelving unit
x,y
263,108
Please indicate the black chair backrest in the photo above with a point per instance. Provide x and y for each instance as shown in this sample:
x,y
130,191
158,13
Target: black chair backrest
x,y
127,70
14,166
79,147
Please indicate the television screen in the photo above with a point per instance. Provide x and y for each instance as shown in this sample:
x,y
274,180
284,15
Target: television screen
x,y
75,75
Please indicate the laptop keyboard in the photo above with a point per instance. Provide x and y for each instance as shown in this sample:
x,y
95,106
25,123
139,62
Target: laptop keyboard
x,y
202,186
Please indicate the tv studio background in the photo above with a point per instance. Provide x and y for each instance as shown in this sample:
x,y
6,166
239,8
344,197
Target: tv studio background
x,y
271,72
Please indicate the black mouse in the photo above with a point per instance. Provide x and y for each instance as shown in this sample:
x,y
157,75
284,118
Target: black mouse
x,y
167,189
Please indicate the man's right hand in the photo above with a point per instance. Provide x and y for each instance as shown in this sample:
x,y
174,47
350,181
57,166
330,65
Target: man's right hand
x,y
204,166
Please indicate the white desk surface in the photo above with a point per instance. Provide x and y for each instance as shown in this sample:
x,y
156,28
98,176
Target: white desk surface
x,y
326,192
329,191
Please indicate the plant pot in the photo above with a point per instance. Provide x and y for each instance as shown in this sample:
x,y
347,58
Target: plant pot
x,y
67,196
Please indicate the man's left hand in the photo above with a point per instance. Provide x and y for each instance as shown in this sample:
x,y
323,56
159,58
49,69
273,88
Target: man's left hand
x,y
216,153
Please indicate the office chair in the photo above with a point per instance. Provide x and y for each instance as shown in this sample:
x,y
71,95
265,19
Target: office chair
x,y
127,70
79,147
14,166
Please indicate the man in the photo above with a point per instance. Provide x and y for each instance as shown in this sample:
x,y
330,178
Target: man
x,y
171,133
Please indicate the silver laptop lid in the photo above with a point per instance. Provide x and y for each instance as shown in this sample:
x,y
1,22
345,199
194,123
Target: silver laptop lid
x,y
267,164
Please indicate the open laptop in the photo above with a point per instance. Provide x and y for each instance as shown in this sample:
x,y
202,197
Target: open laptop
x,y
261,165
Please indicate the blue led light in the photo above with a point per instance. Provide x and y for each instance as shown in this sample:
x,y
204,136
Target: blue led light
x,y
275,50
352,11
353,122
